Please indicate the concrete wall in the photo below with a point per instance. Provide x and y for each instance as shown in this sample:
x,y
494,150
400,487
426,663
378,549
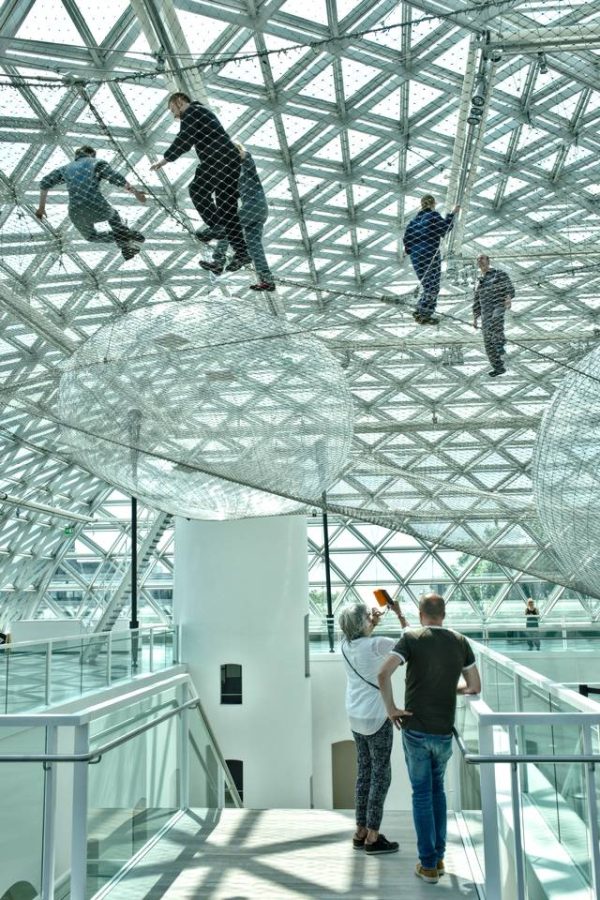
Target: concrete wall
x,y
241,596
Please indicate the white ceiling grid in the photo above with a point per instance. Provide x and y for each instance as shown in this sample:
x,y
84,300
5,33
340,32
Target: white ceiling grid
x,y
347,129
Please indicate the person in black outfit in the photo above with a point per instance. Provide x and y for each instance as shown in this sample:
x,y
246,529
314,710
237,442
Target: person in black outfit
x,y
218,173
532,621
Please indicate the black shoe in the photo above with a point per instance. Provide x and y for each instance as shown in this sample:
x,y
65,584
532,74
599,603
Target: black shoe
x,y
209,234
238,262
215,268
382,845
358,843
263,286
130,252
137,237
495,372
429,320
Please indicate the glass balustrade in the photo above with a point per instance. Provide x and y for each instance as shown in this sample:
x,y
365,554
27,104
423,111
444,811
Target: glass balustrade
x,y
41,673
544,802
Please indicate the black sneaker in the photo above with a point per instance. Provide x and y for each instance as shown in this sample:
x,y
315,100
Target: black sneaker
x,y
495,372
238,262
382,845
130,252
209,234
263,286
137,237
215,268
429,320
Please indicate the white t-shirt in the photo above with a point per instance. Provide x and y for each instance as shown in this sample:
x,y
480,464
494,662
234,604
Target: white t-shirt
x,y
364,704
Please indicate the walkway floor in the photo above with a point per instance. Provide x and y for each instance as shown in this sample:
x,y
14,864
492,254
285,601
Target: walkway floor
x,y
285,855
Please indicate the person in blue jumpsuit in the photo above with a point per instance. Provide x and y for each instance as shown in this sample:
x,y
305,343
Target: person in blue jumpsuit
x,y
253,214
422,243
87,203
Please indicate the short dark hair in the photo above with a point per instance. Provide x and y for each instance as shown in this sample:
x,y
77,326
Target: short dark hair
x,y
432,605
86,150
179,95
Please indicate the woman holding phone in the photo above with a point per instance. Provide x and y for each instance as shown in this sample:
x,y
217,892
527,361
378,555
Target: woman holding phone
x,y
373,732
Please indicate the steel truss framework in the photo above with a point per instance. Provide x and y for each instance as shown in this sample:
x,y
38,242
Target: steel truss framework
x,y
347,131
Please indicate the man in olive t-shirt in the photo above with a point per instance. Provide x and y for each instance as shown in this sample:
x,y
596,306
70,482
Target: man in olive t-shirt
x,y
435,659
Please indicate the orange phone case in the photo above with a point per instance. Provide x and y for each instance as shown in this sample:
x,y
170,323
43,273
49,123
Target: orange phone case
x,y
382,596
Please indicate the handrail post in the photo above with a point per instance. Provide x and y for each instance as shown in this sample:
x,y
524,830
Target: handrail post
x,y
49,827
515,799
592,810
151,650
80,817
184,749
109,658
489,816
48,688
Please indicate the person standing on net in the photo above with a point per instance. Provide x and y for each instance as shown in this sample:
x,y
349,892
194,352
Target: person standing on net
x,y
87,203
435,658
214,189
253,213
422,243
371,729
493,295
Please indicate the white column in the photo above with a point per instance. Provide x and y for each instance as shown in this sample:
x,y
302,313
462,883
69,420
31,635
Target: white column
x,y
241,595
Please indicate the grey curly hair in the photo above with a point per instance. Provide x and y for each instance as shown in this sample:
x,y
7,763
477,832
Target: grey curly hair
x,y
353,620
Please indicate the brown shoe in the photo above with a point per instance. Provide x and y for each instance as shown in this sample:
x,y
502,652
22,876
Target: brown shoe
x,y
429,875
441,868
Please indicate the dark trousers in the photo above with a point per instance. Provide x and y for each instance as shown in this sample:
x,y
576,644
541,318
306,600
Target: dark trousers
x,y
428,269
492,324
374,774
220,212
85,217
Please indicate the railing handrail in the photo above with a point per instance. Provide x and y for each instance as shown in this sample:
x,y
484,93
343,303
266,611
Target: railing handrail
x,y
484,759
76,638
42,719
94,756
555,689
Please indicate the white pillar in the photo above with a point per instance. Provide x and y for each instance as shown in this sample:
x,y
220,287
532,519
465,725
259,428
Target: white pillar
x,y
241,596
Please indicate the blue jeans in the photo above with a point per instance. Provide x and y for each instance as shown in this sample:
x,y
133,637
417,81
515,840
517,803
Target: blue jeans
x,y
253,222
426,757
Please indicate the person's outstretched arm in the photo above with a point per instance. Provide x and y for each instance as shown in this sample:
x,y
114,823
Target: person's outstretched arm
x,y
106,172
47,182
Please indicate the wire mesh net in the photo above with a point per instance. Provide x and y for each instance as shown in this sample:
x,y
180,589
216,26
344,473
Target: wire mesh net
x,y
565,472
347,117
167,399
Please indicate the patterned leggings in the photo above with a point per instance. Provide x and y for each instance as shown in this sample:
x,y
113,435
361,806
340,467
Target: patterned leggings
x,y
374,774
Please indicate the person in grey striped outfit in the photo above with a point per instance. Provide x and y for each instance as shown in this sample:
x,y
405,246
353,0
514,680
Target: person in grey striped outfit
x,y
372,730
254,211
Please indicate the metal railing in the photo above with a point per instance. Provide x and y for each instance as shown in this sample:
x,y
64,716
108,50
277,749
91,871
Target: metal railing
x,y
85,730
520,785
37,674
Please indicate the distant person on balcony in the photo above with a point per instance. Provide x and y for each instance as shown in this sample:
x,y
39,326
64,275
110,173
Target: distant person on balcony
x,y
215,187
87,203
422,239
532,620
493,296
435,659
372,730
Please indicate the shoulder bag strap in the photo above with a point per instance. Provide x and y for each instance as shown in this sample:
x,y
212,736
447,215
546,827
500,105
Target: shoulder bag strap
x,y
376,686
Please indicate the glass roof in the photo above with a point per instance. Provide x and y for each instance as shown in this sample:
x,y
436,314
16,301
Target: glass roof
x,y
351,110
